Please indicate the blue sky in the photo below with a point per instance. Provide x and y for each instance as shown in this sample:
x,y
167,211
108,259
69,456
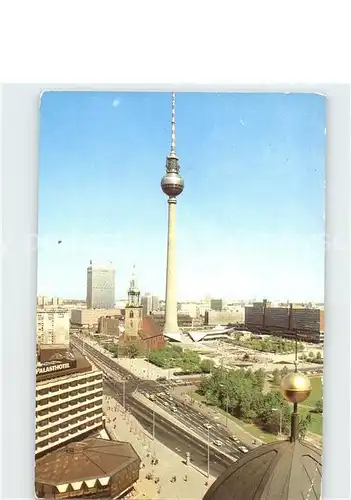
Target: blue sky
x,y
250,222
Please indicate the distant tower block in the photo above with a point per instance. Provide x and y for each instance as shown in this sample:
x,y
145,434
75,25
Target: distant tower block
x,y
172,185
133,311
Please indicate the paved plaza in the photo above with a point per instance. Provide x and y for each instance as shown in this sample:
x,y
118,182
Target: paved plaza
x,y
190,483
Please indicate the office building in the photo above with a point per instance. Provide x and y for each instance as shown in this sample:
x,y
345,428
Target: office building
x,y
216,304
68,398
89,318
53,326
101,286
235,316
306,322
172,185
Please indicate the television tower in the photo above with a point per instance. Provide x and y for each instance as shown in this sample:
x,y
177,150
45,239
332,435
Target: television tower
x,y
172,185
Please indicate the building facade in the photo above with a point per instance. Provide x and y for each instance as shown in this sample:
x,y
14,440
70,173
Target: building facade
x,y
308,323
101,286
235,316
53,326
68,401
146,302
108,325
89,318
216,304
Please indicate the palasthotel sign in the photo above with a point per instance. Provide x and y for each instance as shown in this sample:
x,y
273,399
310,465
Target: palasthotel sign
x,y
55,367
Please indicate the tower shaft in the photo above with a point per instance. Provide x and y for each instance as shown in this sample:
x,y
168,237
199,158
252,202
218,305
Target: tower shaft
x,y
171,319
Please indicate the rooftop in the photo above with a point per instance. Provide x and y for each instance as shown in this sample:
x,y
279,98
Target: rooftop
x,y
283,470
93,458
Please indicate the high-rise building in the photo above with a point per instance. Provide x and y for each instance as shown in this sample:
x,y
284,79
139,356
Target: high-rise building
x,y
172,185
53,326
155,303
150,303
146,302
101,286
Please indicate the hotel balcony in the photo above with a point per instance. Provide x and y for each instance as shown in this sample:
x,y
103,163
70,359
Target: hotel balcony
x,y
57,420
60,388
50,413
55,439
68,397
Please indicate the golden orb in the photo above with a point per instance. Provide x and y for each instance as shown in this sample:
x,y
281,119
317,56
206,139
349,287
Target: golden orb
x,y
296,387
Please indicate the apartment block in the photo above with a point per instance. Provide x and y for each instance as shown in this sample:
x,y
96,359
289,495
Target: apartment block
x,y
53,326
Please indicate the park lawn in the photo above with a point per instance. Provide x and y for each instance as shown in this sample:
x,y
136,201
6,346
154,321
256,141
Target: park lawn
x,y
253,429
316,394
316,425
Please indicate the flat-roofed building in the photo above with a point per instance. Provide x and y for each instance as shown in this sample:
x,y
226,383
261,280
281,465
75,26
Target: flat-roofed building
x,y
68,398
101,286
53,326
89,318
109,325
306,322
235,316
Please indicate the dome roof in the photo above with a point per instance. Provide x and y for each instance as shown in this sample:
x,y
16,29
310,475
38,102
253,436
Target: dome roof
x,y
282,470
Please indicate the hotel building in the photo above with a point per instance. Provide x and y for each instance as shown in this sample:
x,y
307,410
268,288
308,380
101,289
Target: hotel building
x,y
68,398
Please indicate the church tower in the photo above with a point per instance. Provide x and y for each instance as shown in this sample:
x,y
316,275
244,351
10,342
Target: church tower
x,y
133,311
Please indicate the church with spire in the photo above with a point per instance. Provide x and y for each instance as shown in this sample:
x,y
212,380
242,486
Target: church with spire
x,y
133,311
139,329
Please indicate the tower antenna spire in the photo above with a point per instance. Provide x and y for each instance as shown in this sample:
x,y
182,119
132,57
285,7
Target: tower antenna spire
x,y
173,128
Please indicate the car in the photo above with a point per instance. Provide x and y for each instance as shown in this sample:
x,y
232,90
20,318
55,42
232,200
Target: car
x,y
207,425
234,438
217,442
174,409
243,449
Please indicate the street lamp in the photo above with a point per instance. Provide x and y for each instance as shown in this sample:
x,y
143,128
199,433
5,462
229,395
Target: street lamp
x,y
280,419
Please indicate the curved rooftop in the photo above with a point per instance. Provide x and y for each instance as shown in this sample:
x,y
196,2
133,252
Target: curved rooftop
x,y
283,470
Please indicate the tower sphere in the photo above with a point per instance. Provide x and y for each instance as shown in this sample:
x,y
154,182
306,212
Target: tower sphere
x,y
296,387
172,184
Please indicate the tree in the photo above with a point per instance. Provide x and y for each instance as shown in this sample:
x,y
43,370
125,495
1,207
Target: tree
x,y
304,424
319,355
284,371
246,357
319,406
276,377
133,351
207,365
311,354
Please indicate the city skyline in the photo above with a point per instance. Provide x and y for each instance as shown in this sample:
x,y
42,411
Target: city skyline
x,y
251,221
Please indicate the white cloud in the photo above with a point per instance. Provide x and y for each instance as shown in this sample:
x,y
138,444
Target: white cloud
x,y
115,103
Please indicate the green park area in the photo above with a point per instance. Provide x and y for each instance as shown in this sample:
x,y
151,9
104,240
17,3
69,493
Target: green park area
x,y
275,345
256,406
187,360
